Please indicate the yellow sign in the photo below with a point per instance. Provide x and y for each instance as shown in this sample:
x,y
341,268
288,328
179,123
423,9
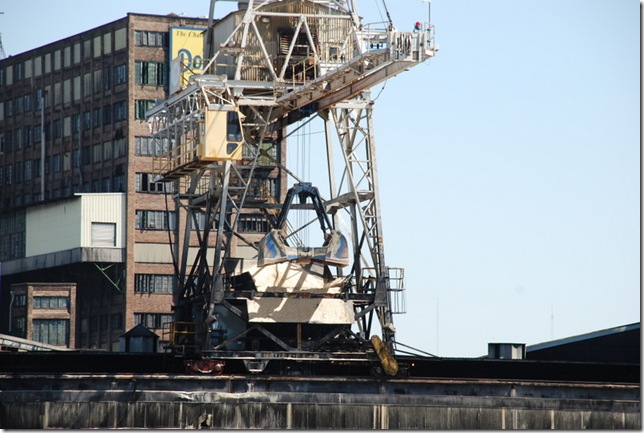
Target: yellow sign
x,y
186,55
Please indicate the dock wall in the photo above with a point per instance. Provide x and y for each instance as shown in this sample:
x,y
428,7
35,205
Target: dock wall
x,y
247,402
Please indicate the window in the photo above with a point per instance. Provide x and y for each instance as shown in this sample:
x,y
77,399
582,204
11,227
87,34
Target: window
x,y
17,105
37,135
27,102
85,155
199,220
103,323
38,99
51,331
67,57
120,111
28,170
76,88
26,136
87,49
52,302
120,74
20,300
37,66
107,78
8,141
155,220
18,327
9,175
57,163
87,85
67,126
150,283
120,39
107,43
57,93
152,73
47,63
27,71
152,320
107,115
150,39
252,223
18,138
67,91
58,128
18,168
264,188
87,120
76,123
147,146
98,80
18,71
141,107
119,183
97,46
120,148
76,158
144,182
97,153
96,117
77,52
117,321
103,234
48,93
8,108
107,151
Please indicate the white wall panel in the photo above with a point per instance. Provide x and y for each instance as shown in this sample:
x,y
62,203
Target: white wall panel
x,y
67,224
52,228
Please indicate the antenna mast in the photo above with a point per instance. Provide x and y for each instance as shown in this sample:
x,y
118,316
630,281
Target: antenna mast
x,y
3,55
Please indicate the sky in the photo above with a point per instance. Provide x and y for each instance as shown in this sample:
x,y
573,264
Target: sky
x,y
509,164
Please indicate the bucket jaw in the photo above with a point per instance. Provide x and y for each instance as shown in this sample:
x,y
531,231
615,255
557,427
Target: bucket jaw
x,y
273,249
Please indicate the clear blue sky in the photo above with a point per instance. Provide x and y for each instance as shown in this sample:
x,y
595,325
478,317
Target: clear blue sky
x,y
509,164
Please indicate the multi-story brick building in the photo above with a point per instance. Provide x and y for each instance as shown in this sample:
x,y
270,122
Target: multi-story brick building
x,y
78,201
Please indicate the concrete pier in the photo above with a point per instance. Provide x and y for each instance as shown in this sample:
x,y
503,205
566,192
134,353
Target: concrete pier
x,y
75,401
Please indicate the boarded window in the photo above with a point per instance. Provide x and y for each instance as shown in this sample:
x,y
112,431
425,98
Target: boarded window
x,y
103,234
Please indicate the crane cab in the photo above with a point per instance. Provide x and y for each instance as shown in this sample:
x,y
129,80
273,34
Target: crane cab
x,y
220,135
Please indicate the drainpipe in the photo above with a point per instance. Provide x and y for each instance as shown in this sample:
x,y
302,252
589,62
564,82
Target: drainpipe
x,y
10,309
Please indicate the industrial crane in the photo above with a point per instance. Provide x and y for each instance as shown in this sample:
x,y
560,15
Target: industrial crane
x,y
272,66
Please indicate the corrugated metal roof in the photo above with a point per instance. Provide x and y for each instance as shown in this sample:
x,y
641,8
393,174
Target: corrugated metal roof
x,y
583,337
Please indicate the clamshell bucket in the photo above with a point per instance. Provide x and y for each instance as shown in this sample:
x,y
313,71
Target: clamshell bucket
x,y
273,249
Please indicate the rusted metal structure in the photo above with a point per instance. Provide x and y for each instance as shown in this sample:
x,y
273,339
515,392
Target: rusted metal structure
x,y
271,67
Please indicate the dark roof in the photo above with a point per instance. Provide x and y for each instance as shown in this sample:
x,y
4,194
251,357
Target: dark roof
x,y
619,344
140,331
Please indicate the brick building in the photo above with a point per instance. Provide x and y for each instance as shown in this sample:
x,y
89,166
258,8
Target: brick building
x,y
78,201
44,312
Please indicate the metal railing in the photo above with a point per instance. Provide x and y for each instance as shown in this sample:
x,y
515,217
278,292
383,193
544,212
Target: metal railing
x,y
184,337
